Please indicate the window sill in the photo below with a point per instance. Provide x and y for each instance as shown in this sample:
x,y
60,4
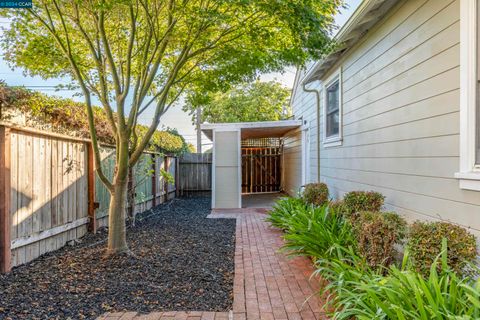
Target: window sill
x,y
469,180
332,143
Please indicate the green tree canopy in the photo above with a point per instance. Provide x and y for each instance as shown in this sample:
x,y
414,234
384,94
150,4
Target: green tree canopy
x,y
136,55
247,102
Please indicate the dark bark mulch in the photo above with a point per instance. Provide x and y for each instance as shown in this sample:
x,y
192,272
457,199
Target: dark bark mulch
x,y
181,261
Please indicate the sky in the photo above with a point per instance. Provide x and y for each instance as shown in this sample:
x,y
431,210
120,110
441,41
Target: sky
x,y
175,117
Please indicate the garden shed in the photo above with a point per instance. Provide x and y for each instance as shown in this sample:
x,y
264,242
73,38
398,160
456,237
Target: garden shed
x,y
248,160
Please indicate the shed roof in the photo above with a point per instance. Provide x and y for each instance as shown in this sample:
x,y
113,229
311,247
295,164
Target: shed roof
x,y
365,17
253,130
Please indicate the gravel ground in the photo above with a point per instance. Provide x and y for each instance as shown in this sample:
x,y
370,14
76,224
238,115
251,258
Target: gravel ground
x,y
182,261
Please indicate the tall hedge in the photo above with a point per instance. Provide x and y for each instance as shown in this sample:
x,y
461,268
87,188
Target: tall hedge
x,y
66,116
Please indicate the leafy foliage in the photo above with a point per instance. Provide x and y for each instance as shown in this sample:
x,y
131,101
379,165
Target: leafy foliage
x,y
361,293
316,232
355,260
357,201
316,194
69,117
283,210
377,234
60,115
247,102
138,55
425,240
338,206
319,233
167,141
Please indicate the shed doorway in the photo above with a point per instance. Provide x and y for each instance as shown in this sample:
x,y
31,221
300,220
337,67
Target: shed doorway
x,y
247,159
261,165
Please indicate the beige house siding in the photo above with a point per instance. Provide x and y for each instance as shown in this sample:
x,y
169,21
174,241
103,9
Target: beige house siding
x,y
401,115
226,157
304,106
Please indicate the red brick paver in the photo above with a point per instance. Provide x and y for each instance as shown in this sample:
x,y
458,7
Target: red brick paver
x,y
267,285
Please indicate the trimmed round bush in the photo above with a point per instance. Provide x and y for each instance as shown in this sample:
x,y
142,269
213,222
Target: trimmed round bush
x,y
357,201
377,233
338,206
316,194
425,244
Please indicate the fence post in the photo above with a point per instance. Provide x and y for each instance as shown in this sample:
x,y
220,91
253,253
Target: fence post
x,y
5,190
177,176
165,182
154,180
92,223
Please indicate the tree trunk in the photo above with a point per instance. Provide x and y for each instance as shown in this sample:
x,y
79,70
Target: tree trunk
x,y
117,237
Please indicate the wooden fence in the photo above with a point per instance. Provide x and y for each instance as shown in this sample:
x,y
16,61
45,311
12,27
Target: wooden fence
x,y
195,173
49,192
147,182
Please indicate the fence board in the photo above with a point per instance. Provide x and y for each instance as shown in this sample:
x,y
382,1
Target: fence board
x,y
195,173
48,200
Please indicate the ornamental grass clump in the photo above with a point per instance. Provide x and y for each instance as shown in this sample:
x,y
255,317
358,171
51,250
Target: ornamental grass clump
x,y
354,255
315,194
377,233
283,210
403,293
357,201
424,245
319,233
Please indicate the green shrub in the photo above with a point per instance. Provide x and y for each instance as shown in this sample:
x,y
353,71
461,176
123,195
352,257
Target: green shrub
x,y
377,234
425,240
357,201
360,293
70,117
338,206
316,194
283,210
319,233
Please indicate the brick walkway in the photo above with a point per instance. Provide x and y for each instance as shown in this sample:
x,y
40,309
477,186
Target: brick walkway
x,y
267,284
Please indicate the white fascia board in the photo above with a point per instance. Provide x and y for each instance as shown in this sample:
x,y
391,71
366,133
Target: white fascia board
x,y
362,14
251,125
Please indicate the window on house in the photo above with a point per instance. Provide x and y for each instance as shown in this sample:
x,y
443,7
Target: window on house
x,y
332,112
469,173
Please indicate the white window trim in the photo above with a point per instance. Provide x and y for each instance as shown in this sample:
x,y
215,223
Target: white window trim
x,y
337,140
469,175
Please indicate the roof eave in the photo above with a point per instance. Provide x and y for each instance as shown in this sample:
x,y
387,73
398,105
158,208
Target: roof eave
x,y
363,19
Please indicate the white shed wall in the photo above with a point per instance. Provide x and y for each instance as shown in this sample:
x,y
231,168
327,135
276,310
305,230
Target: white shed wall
x,y
226,177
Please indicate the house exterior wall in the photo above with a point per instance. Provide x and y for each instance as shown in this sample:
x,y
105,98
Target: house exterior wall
x,y
400,87
304,106
226,162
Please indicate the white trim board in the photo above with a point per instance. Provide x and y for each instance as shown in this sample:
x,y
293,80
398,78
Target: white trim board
x,y
250,125
213,170
469,175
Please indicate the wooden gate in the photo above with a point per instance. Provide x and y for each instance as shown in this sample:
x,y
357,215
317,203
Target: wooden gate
x,y
261,169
